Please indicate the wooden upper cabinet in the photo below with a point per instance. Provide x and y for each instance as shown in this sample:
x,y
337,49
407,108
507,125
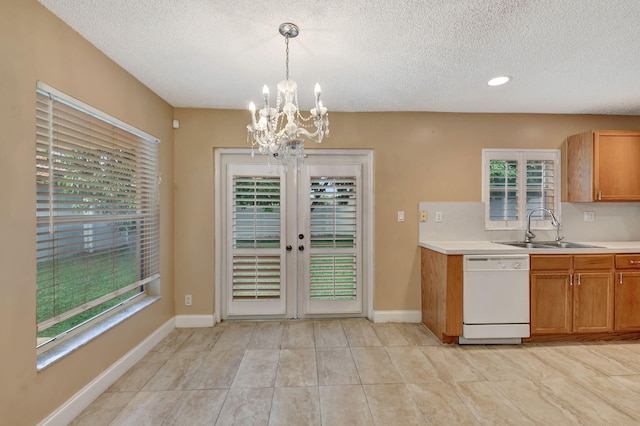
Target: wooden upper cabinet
x,y
603,165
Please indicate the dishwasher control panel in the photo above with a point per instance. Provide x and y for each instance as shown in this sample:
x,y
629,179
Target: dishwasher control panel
x,y
495,263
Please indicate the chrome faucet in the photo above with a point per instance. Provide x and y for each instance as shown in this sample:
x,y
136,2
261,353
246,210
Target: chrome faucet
x,y
554,222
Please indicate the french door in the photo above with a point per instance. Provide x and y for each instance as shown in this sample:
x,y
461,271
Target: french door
x,y
294,245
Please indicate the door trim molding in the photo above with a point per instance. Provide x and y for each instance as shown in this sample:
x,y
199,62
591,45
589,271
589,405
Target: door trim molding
x,y
368,226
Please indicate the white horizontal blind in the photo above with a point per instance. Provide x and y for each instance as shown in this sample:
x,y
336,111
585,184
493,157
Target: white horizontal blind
x,y
333,224
97,212
256,229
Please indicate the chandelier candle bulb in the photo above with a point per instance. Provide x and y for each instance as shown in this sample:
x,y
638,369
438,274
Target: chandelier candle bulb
x,y
252,110
316,91
265,94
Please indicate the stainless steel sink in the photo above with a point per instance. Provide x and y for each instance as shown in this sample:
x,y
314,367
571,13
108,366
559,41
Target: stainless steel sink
x,y
566,244
546,244
523,244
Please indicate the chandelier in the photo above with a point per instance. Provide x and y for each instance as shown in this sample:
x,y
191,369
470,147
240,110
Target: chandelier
x,y
279,132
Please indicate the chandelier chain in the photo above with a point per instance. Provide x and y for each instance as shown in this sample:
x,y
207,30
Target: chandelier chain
x,y
286,41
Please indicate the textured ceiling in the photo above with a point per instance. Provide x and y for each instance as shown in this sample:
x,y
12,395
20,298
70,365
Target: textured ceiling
x,y
565,56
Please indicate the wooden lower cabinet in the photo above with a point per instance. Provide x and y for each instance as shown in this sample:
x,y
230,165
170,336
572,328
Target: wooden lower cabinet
x,y
551,303
593,306
441,277
572,294
627,292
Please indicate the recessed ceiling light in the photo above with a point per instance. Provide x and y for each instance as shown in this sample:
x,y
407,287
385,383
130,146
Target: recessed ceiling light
x,y
498,81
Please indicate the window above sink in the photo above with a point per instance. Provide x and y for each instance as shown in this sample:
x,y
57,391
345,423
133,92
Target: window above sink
x,y
515,182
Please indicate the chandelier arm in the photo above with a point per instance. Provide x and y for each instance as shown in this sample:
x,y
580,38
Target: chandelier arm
x,y
313,137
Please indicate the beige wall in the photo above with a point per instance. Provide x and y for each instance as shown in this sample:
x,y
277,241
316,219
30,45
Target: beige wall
x,y
417,157
34,45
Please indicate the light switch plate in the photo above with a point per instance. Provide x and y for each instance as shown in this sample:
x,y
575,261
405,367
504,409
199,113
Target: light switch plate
x,y
589,216
438,216
400,216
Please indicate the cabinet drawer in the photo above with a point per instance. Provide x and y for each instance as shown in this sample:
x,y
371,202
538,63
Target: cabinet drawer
x,y
553,262
627,261
593,261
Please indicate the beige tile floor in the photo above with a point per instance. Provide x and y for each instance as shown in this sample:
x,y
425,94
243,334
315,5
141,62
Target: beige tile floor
x,y
354,372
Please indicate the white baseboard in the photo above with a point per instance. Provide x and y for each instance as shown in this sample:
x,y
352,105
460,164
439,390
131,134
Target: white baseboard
x,y
195,321
81,400
397,316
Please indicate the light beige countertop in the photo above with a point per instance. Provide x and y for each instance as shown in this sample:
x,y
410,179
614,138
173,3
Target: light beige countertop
x,y
488,247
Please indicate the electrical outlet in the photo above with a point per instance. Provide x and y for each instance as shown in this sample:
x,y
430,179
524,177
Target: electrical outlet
x,y
438,216
423,215
187,300
589,216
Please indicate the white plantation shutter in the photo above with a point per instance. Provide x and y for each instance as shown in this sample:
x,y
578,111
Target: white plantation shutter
x,y
256,229
333,225
97,211
516,182
540,187
256,277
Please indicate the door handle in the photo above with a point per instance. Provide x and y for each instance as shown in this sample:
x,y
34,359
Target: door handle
x,y
289,248
301,247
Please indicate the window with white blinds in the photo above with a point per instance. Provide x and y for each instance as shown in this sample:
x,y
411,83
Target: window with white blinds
x,y
517,181
256,229
97,213
333,220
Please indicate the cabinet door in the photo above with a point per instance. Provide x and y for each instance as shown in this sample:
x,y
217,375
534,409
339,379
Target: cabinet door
x,y
551,303
627,294
593,294
616,159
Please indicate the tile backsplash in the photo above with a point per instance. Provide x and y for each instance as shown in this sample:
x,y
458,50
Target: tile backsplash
x,y
464,221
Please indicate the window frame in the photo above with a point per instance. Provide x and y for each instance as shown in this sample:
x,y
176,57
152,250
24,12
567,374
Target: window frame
x,y
144,189
521,156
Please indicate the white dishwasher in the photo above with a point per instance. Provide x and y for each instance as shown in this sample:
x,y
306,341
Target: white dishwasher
x,y
495,299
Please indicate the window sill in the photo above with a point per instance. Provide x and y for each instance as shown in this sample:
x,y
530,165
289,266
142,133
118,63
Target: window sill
x,y
62,349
